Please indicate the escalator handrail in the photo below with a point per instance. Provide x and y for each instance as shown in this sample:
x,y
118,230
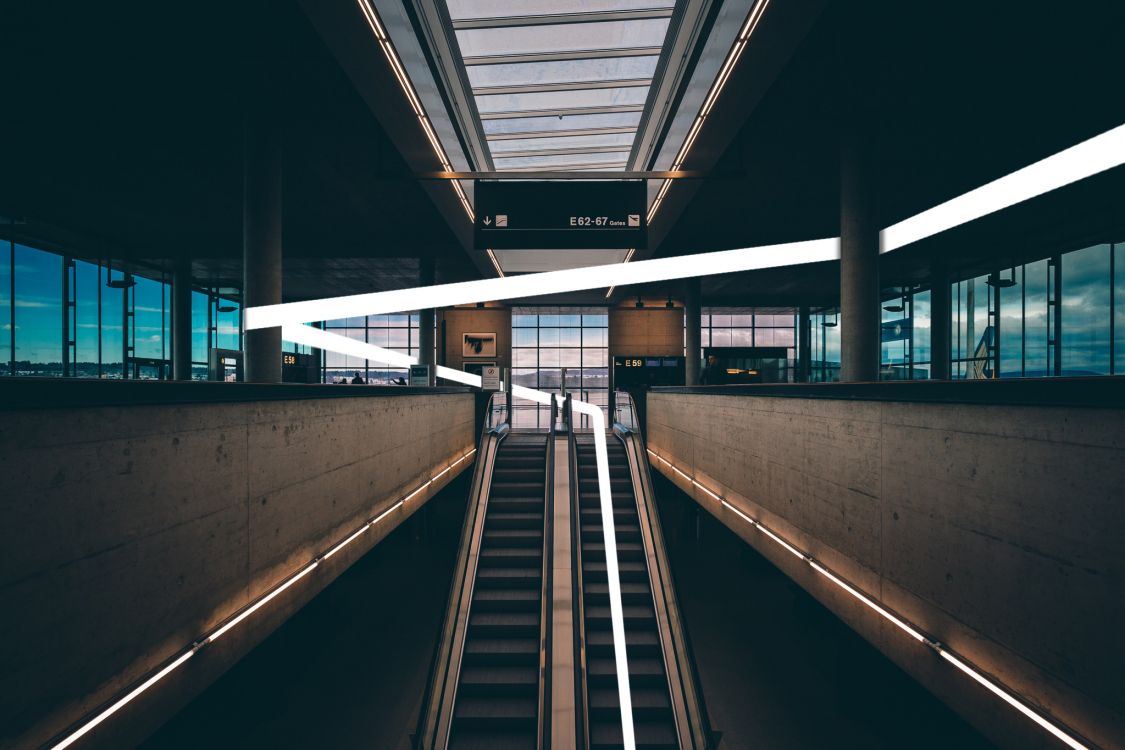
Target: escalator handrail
x,y
675,638
437,702
578,604
546,593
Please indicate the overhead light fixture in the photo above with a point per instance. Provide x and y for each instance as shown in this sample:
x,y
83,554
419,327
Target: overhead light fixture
x,y
669,303
899,306
640,302
832,323
412,98
495,263
226,308
997,281
993,686
717,85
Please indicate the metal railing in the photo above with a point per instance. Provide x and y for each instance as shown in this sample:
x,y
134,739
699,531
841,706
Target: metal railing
x,y
548,585
435,719
581,728
687,699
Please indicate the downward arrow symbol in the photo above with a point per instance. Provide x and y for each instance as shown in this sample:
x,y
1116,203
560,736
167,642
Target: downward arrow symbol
x,y
487,220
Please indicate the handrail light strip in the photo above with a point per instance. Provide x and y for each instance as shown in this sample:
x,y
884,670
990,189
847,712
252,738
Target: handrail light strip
x,y
260,602
962,664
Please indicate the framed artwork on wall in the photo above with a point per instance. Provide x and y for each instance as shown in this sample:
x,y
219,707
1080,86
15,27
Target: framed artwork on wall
x,y
478,345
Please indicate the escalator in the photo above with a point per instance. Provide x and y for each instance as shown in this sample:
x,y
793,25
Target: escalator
x,y
653,718
527,657
498,693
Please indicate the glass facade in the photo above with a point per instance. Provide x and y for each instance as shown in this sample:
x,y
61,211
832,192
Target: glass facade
x,y
749,327
63,317
397,332
546,341
824,345
1055,316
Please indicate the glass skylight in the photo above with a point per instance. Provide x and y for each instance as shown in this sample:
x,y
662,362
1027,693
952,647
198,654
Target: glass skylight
x,y
560,85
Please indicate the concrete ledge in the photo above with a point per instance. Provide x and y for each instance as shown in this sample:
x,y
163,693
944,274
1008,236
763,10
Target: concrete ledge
x,y
131,531
996,529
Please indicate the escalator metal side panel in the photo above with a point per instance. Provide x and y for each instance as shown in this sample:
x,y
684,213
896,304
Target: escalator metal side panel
x,y
438,710
692,724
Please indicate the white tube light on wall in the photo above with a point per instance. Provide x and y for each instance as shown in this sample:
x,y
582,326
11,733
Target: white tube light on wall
x,y
901,623
100,716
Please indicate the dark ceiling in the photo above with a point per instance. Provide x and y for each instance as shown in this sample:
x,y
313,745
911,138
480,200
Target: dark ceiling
x,y
123,137
950,98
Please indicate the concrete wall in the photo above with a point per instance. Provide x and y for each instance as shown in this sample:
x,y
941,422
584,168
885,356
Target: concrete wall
x,y
998,529
461,320
129,531
652,331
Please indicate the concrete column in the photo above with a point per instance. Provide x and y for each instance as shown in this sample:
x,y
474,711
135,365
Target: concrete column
x,y
426,317
941,310
261,243
181,319
804,345
692,320
859,265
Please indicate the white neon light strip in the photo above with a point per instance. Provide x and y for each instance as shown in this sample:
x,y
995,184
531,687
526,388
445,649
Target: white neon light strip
x,y
1006,695
1086,159
551,282
214,635
124,699
320,339
717,85
412,98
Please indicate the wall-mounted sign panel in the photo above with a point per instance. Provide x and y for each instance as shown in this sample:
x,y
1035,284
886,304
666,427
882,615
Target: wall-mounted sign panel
x,y
560,215
629,372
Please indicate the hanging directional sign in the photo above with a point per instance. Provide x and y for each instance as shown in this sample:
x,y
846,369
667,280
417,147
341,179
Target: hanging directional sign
x,y
531,215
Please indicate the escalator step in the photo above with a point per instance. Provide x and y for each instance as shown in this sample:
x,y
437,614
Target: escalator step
x,y
506,599
649,735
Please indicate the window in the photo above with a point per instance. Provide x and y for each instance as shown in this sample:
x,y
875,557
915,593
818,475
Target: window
x,y
1086,292
398,332
824,349
547,340
758,328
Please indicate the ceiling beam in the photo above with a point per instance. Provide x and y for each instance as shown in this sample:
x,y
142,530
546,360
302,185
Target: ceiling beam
x,y
573,150
564,175
561,112
582,54
534,88
552,19
560,133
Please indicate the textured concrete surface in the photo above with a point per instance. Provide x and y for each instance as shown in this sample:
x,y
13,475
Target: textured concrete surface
x,y
648,330
130,531
777,669
348,670
997,529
